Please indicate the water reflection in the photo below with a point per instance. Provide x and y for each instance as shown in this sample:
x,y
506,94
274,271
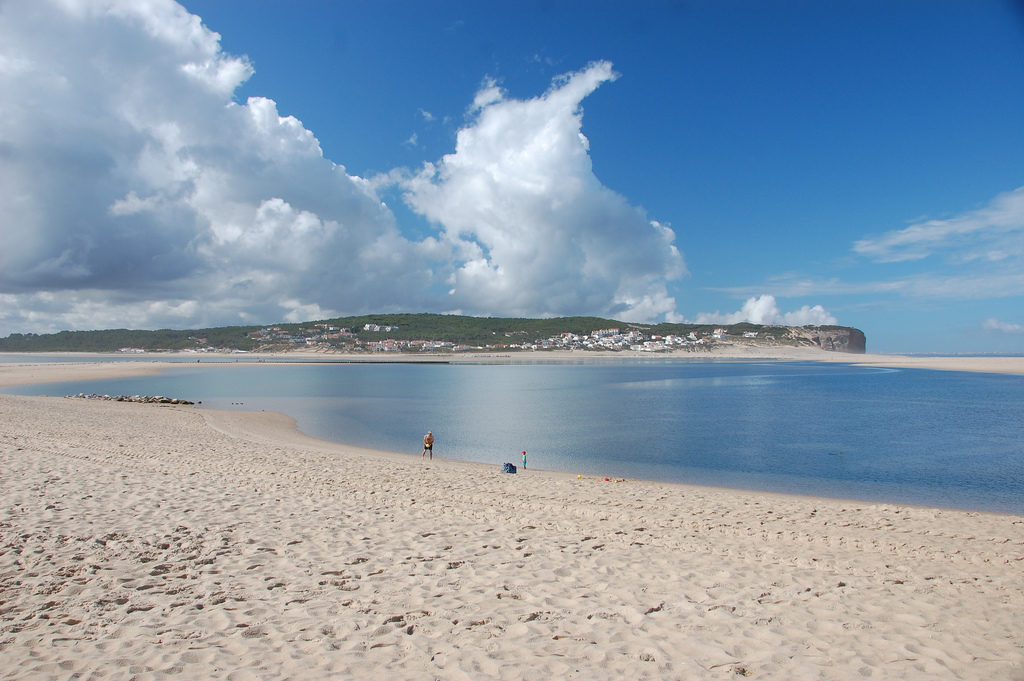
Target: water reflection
x,y
916,436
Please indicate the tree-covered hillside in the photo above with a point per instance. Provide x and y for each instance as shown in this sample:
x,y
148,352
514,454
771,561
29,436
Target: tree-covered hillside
x,y
233,337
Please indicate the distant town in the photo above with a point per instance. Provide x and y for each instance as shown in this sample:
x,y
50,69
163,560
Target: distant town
x,y
327,337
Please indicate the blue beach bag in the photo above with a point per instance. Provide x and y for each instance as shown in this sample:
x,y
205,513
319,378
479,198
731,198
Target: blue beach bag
x,y
508,468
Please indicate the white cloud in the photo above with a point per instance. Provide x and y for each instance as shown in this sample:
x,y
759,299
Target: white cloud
x,y
981,251
532,228
47,311
982,283
765,310
992,233
137,192
488,94
809,316
996,326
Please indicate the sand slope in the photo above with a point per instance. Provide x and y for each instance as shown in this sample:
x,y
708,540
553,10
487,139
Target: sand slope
x,y
139,542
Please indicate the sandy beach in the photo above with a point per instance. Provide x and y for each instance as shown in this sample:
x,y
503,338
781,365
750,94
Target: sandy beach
x,y
145,542
150,542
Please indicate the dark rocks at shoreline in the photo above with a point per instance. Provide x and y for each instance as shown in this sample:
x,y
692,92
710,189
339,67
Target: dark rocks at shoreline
x,y
140,399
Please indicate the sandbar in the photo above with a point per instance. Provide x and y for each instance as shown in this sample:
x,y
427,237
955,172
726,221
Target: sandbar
x,y
45,370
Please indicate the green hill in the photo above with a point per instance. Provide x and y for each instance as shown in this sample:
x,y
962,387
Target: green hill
x,y
352,333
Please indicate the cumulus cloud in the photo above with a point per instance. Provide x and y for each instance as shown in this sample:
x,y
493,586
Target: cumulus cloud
x,y
135,188
532,229
764,309
996,326
137,192
990,234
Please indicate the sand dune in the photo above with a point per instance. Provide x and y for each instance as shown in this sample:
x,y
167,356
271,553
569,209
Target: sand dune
x,y
151,542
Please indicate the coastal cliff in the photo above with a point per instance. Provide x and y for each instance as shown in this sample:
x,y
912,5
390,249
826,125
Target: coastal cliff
x,y
830,338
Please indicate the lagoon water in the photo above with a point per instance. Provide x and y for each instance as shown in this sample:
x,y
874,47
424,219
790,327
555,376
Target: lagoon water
x,y
950,439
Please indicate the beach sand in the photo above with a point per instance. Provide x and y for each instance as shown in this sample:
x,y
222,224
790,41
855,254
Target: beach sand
x,y
155,542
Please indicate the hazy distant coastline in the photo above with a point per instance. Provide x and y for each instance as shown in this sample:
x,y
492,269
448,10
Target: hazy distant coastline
x,y
457,334
25,371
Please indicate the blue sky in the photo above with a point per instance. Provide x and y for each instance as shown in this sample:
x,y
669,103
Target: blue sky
x,y
777,162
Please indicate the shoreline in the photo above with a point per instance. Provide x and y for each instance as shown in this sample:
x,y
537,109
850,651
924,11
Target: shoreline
x,y
15,374
279,429
114,365
169,542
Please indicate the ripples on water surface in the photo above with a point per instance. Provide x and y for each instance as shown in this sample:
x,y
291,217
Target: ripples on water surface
x,y
911,436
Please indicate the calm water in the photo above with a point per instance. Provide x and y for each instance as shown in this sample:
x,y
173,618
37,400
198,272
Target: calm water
x,y
912,436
